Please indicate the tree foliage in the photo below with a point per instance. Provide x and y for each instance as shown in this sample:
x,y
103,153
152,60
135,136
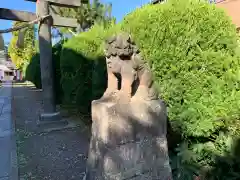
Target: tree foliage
x,y
87,15
22,56
191,47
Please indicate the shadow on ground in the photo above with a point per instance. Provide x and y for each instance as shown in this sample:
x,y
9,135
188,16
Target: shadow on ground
x,y
62,154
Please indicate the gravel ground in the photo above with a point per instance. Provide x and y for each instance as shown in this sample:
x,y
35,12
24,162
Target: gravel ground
x,y
56,155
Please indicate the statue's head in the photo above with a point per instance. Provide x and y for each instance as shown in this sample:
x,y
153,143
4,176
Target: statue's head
x,y
119,48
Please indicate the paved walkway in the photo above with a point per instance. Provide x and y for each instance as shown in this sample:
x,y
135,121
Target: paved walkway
x,y
8,158
55,155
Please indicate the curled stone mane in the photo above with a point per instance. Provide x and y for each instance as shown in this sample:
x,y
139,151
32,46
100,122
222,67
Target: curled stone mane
x,y
120,45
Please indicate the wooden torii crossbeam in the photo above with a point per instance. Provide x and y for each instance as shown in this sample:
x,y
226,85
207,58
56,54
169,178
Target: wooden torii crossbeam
x,y
64,3
59,21
16,15
44,8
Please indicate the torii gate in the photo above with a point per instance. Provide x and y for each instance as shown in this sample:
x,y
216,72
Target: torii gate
x,y
43,9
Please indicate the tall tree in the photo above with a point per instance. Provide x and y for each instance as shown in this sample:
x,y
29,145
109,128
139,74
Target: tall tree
x,y
1,42
87,15
21,56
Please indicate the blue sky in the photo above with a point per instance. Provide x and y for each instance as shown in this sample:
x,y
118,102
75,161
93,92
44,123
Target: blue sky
x,y
120,8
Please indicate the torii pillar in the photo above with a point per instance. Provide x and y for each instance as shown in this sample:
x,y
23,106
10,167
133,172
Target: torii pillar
x,y
49,115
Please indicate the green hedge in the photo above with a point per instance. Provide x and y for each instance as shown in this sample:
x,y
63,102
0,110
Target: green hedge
x,y
82,69
33,73
191,48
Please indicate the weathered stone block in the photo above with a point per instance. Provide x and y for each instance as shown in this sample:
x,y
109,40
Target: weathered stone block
x,y
129,122
128,141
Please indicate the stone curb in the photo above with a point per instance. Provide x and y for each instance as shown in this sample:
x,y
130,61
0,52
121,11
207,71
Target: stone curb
x,y
8,163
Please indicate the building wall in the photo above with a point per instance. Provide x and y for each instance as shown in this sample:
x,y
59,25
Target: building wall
x,y
232,8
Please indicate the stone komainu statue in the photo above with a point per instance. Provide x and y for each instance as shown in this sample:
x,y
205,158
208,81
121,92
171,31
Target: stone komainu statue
x,y
125,64
129,121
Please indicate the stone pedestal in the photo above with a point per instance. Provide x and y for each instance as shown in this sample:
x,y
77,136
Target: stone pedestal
x,y
128,141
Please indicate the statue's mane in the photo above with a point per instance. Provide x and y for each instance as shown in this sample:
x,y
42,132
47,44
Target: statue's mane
x,y
120,45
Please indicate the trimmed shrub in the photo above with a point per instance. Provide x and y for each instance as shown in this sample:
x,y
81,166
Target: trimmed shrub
x,y
33,72
190,46
83,69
